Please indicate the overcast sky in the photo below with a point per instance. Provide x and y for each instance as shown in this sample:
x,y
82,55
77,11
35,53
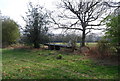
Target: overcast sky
x,y
17,8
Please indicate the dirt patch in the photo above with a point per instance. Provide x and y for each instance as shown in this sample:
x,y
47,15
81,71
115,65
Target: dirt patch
x,y
113,60
103,59
65,50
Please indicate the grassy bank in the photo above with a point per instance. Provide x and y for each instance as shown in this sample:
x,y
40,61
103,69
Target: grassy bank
x,y
42,64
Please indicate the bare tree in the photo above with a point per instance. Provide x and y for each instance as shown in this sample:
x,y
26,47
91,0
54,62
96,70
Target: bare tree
x,y
81,15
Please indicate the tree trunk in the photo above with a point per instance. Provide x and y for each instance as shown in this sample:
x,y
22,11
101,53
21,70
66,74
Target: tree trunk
x,y
83,39
36,45
36,42
36,33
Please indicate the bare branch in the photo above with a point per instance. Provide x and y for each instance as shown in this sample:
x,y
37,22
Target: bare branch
x,y
93,24
106,3
68,17
69,28
96,28
63,26
88,32
74,23
100,24
91,6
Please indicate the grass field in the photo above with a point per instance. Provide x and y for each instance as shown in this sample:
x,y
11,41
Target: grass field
x,y
78,44
42,64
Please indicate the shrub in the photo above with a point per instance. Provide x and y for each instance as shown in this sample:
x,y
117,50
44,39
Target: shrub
x,y
104,47
10,32
59,56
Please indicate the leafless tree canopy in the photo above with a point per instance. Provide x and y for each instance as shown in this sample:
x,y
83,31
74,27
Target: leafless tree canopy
x,y
83,15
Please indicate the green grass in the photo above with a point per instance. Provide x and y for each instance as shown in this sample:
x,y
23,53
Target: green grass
x,y
42,64
78,44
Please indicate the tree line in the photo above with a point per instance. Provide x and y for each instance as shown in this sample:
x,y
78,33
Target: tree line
x,y
85,16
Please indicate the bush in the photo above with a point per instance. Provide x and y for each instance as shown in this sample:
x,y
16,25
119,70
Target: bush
x,y
10,32
59,56
104,47
113,31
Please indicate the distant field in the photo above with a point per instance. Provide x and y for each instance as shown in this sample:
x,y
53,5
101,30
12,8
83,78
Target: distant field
x,y
78,44
91,44
42,64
